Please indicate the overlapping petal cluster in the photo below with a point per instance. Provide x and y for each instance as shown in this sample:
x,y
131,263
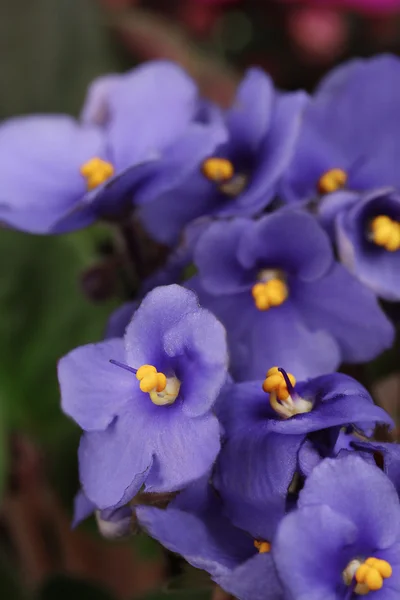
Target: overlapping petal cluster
x,y
214,390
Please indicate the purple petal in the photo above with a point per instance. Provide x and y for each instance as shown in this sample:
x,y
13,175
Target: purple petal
x,y
255,579
83,508
353,488
206,540
198,344
249,118
289,240
317,572
259,340
374,266
184,449
41,157
216,257
120,319
348,310
154,119
92,389
114,463
275,154
160,310
254,473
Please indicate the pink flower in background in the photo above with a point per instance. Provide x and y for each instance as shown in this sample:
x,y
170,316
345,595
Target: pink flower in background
x,y
366,6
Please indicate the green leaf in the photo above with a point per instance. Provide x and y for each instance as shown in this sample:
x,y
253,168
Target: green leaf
x,y
44,316
66,588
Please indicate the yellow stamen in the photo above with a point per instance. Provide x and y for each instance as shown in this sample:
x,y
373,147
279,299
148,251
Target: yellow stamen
x,y
218,169
262,547
275,382
371,574
162,390
96,171
331,181
385,232
271,293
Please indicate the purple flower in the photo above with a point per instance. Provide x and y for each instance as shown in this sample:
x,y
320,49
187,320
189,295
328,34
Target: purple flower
x,y
275,286
240,176
195,527
366,229
144,402
119,320
348,520
59,174
349,137
267,425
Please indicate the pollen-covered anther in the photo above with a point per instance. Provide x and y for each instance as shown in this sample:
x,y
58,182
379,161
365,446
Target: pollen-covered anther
x,y
270,293
96,171
385,232
331,181
370,575
218,169
161,389
262,546
275,382
283,397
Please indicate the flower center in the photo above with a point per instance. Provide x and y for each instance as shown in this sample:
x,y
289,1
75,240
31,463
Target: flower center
x,y
385,232
96,171
270,290
262,547
282,395
331,181
368,576
222,172
161,389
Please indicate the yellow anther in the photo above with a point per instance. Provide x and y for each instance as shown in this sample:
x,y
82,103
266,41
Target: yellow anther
x,y
218,169
275,382
262,547
385,232
370,575
162,390
150,379
331,181
271,293
96,171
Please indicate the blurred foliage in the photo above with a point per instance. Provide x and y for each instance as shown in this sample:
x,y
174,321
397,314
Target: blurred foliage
x,y
66,588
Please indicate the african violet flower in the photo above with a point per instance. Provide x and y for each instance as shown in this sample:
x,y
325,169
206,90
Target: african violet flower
x,y
266,426
144,402
348,137
240,176
348,520
60,174
195,527
366,229
275,286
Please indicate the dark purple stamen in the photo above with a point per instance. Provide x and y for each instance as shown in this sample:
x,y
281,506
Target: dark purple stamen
x,y
126,367
350,590
287,381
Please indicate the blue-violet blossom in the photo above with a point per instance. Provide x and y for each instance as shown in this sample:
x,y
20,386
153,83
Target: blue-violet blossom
x,y
241,176
266,424
59,174
343,541
144,401
275,286
349,138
